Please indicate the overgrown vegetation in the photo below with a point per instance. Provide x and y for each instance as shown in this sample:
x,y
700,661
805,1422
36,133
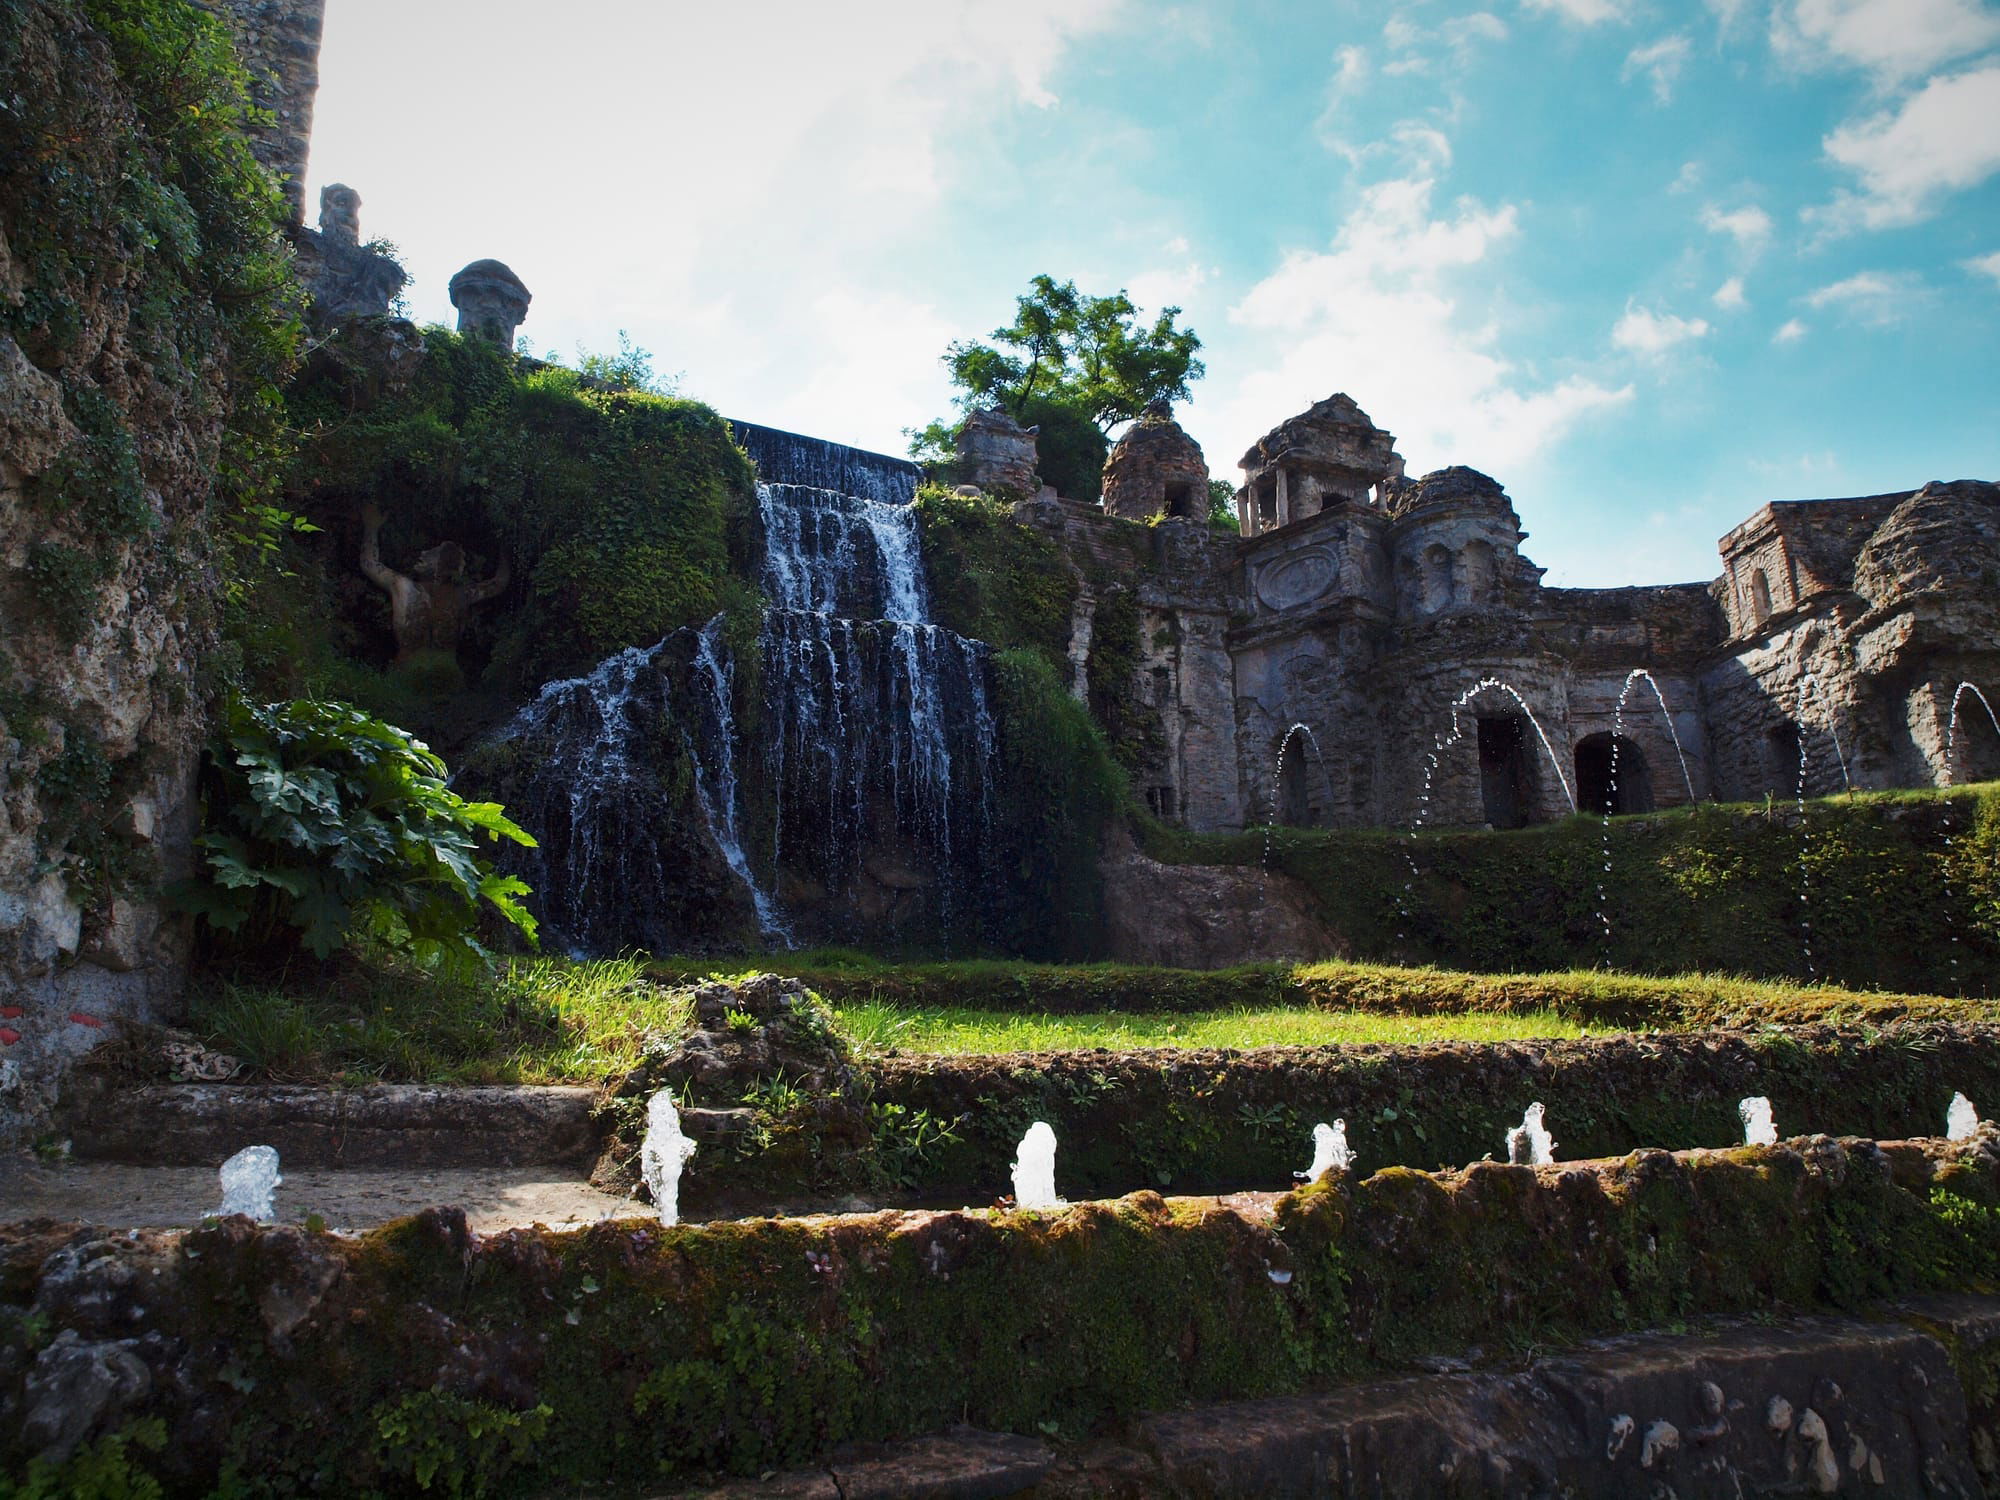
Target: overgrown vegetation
x,y
323,826
1075,366
993,579
622,513
154,290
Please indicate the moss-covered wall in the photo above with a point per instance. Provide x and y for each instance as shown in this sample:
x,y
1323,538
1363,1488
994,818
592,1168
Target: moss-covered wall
x,y
1219,1120
145,319
421,1358
1895,891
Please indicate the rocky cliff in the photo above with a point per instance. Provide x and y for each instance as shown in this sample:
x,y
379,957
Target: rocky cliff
x,y
142,323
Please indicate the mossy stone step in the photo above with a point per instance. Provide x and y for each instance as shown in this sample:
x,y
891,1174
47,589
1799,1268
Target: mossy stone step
x,y
378,1125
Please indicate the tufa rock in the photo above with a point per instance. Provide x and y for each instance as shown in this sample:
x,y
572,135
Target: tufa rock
x,y
1155,469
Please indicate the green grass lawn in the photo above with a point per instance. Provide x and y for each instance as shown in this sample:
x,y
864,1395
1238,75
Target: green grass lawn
x,y
552,1020
957,1029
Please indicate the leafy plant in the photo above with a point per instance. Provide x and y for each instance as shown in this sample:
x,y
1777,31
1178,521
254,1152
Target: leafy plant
x,y
324,823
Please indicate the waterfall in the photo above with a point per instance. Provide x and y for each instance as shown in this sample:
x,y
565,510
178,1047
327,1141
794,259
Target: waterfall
x,y
857,803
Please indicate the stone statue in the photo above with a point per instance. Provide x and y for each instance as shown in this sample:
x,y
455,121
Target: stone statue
x,y
429,609
491,300
346,279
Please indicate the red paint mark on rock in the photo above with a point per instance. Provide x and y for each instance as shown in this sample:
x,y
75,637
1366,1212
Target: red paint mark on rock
x,y
11,1012
9,1036
83,1020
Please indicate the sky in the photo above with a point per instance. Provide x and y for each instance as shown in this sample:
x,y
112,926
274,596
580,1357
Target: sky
x,y
1649,263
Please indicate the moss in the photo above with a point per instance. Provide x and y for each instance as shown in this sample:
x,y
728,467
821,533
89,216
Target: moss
x,y
1131,725
994,579
635,1356
1904,891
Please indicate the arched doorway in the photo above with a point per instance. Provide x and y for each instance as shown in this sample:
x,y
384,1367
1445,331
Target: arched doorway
x,y
1611,776
1295,789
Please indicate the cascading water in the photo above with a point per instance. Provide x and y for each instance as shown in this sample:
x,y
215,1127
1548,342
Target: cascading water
x,y
852,790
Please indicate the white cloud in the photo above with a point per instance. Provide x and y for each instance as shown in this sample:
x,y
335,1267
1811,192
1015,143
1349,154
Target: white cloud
x,y
1687,179
1458,37
1895,40
1583,12
1659,61
1986,265
1730,294
1874,297
1644,331
1789,332
1750,226
1726,13
1350,71
1379,313
1942,139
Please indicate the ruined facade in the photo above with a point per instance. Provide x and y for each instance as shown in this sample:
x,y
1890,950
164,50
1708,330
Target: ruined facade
x,y
1378,651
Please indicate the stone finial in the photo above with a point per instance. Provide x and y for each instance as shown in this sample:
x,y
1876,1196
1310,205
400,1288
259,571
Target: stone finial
x,y
1156,469
996,452
491,300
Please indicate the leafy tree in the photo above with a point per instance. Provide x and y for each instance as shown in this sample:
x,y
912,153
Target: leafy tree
x,y
322,823
1074,365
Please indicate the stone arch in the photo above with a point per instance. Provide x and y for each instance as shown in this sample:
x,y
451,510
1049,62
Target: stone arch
x,y
1612,775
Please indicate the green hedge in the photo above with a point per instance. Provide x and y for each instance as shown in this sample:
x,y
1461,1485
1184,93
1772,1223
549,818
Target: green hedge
x,y
1901,891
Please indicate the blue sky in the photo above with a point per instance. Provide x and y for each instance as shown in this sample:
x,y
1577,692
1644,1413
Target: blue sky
x,y
1648,264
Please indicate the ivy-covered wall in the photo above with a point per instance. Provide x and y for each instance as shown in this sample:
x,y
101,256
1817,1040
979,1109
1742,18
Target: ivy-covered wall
x,y
146,317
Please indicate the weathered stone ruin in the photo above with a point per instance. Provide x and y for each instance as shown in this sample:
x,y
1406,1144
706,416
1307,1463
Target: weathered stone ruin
x,y
278,41
1364,605
492,303
997,453
346,278
1155,469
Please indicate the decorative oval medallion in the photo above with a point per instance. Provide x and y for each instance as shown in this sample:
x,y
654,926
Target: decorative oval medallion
x,y
1297,578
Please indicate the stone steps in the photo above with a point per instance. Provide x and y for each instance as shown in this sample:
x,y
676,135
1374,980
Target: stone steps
x,y
385,1125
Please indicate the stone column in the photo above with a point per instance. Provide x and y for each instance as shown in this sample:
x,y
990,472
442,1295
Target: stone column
x,y
1284,499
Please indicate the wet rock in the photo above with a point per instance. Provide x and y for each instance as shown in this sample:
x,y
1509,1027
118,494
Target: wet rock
x,y
78,1388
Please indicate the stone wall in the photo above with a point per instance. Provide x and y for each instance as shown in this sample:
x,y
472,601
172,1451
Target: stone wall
x,y
278,41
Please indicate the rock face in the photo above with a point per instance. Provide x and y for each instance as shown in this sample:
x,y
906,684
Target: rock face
x,y
997,453
112,416
1156,469
1205,916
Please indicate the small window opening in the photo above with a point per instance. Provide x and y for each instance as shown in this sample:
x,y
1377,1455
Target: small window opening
x,y
1163,687
1179,498
1760,597
1160,802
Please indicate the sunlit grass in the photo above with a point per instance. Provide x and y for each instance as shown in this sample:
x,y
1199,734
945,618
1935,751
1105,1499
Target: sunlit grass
x,y
952,1029
542,1020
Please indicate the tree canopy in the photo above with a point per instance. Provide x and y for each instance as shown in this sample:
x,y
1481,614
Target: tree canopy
x,y
1075,366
